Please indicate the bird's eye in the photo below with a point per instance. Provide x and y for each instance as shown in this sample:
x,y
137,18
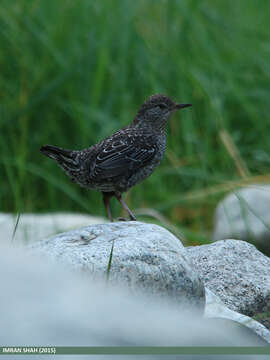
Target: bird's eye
x,y
162,106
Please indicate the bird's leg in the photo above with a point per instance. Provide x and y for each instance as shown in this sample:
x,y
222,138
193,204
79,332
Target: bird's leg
x,y
106,200
122,202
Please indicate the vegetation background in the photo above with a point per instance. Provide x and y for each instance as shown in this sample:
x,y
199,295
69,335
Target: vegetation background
x,y
72,72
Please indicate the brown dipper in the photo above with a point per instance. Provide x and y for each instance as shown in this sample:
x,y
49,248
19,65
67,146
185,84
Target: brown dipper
x,y
123,159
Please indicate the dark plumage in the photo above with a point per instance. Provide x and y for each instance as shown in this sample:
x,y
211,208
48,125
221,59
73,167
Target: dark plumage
x,y
123,159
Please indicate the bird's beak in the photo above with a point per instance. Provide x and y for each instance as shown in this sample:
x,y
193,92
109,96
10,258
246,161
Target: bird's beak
x,y
181,106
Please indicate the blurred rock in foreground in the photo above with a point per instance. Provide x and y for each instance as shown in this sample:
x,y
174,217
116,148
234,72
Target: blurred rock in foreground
x,y
46,304
245,215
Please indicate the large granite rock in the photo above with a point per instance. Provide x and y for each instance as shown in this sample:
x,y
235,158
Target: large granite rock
x,y
144,256
245,215
43,303
33,227
236,272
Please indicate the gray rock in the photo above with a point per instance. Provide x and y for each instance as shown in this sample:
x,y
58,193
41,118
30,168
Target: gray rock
x,y
245,215
236,272
144,256
215,308
33,227
43,303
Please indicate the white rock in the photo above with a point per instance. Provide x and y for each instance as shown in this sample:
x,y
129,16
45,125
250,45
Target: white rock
x,y
236,272
145,256
245,215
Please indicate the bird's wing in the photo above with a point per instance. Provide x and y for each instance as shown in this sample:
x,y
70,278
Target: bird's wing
x,y
122,154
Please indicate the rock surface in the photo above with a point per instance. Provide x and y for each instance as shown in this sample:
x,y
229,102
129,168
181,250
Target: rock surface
x,y
245,215
33,227
145,256
43,303
236,272
214,307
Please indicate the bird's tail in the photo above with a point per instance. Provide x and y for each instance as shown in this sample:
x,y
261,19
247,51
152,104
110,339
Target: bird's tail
x,y
65,158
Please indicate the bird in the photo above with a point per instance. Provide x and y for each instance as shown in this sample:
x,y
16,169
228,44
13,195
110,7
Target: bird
x,y
125,158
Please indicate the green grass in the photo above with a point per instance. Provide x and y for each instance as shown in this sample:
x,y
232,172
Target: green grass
x,y
74,71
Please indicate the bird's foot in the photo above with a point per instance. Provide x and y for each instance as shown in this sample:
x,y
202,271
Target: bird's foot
x,y
125,219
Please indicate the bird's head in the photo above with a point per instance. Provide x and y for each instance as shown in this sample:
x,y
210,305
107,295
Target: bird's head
x,y
156,111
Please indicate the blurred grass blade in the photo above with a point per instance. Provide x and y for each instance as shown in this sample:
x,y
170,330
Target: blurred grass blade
x,y
202,194
234,153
